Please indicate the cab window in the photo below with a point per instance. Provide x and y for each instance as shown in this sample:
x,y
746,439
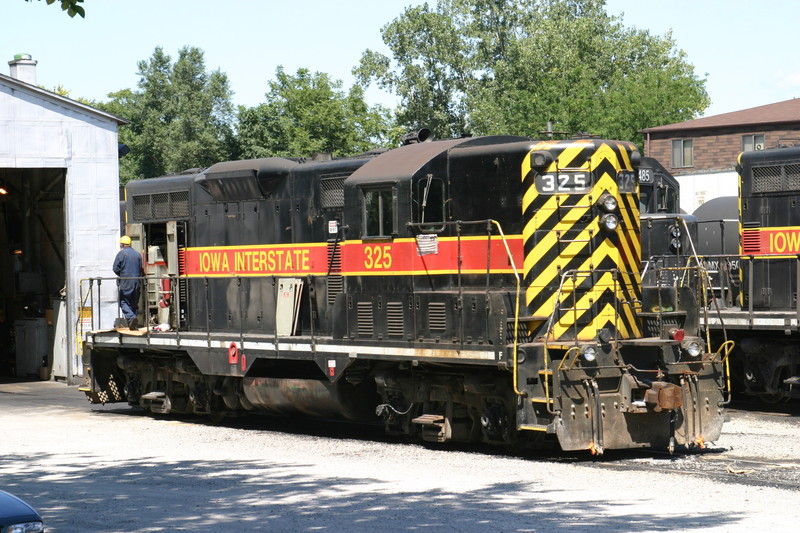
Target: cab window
x,y
430,200
666,200
379,212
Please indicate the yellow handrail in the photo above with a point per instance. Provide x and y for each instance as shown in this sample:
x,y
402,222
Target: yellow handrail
x,y
516,307
577,350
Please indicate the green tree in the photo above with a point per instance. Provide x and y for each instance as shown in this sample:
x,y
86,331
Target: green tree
x,y
512,66
308,113
429,70
181,116
70,6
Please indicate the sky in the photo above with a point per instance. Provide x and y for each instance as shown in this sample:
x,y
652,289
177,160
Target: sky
x,y
744,49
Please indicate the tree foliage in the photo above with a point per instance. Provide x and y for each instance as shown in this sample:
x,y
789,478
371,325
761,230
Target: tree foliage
x,y
512,66
72,7
181,116
307,113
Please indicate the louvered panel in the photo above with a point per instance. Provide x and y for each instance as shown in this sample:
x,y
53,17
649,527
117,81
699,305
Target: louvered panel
x,y
437,317
751,241
335,288
395,324
365,319
335,281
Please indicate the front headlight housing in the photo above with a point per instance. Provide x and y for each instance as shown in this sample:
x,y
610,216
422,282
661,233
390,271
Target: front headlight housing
x,y
608,202
27,527
693,348
609,221
589,354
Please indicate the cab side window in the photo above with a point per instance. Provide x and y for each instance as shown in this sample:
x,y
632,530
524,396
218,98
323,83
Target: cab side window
x,y
379,212
667,200
430,200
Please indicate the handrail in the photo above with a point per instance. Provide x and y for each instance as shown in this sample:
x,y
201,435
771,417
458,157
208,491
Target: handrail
x,y
572,273
515,348
577,350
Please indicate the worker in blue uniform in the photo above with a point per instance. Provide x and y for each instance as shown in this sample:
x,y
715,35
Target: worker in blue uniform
x,y
128,267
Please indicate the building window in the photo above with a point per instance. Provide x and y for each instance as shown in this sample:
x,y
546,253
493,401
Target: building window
x,y
752,142
682,153
379,213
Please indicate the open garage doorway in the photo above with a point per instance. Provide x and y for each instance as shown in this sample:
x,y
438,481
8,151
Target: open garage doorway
x,y
32,272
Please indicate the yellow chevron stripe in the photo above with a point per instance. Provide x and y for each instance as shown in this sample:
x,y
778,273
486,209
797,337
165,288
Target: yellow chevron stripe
x,y
605,152
601,253
551,270
606,281
590,331
608,314
532,225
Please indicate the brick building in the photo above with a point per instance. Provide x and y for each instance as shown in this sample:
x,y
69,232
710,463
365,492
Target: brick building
x,y
702,153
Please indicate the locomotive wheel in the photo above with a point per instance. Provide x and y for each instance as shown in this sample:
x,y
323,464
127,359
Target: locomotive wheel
x,y
773,397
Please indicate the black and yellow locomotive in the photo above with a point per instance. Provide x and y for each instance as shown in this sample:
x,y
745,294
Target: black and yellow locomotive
x,y
483,289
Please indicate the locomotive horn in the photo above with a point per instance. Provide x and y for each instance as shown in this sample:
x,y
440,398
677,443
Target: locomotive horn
x,y
423,135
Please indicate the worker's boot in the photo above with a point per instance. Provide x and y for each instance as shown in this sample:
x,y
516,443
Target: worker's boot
x,y
133,324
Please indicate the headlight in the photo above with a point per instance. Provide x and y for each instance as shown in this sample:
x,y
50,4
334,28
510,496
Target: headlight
x,y
609,221
675,231
676,243
693,348
28,527
589,354
608,202
541,159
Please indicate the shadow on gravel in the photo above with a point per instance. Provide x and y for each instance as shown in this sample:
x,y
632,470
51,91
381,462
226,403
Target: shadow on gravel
x,y
146,495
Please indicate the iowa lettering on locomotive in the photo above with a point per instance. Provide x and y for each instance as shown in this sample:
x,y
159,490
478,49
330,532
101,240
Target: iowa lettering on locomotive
x,y
484,289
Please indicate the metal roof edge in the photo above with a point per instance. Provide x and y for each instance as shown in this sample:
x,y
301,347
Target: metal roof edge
x,y
62,99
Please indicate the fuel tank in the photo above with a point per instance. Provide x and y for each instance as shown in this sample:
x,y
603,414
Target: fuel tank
x,y
314,398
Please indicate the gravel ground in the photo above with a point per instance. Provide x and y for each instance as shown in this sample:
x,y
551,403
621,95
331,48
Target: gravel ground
x,y
113,469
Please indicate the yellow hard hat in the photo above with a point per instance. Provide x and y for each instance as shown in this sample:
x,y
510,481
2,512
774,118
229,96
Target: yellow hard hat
x,y
125,240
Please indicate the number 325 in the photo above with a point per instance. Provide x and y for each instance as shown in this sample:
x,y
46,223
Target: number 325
x,y
377,257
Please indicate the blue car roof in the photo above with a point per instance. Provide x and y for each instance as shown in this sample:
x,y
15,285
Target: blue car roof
x,y
13,510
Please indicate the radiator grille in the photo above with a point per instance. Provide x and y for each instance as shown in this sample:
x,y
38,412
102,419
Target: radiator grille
x,y
437,317
332,191
767,179
792,177
161,206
